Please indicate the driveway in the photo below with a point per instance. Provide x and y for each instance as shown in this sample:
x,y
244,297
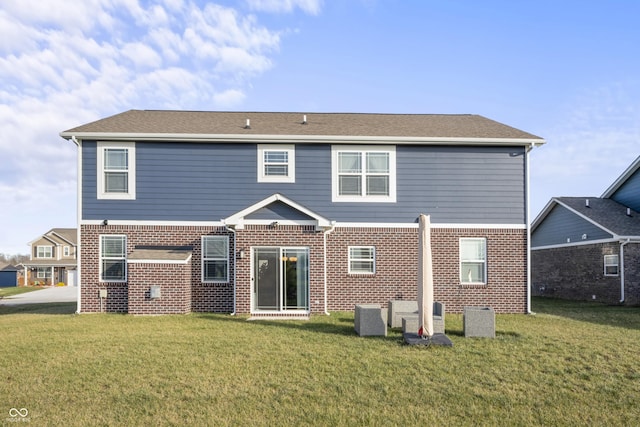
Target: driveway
x,y
52,294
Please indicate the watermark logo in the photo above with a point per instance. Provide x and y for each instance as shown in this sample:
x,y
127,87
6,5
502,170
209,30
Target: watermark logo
x,y
18,415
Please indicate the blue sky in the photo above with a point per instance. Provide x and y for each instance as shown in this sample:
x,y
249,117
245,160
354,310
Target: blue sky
x,y
568,71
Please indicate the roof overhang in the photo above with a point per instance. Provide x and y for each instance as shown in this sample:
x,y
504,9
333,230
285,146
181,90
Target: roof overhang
x,y
621,179
312,139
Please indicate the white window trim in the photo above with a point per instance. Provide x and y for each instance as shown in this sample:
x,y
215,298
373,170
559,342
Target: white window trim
x,y
373,260
617,265
291,163
66,251
131,171
202,259
335,195
100,258
43,273
460,261
44,256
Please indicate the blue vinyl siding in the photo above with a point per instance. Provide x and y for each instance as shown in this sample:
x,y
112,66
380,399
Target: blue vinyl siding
x,y
208,182
561,224
629,193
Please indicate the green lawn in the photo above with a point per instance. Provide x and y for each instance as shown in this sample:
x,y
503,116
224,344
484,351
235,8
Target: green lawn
x,y
570,364
15,290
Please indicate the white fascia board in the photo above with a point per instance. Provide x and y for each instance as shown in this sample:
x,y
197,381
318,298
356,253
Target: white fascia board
x,y
572,244
153,223
543,213
586,218
239,217
319,139
621,179
63,239
44,236
433,225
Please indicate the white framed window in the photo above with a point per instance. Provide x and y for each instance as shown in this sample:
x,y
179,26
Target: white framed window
x,y
611,265
276,163
44,252
473,261
116,166
113,258
363,173
362,260
44,273
66,251
215,259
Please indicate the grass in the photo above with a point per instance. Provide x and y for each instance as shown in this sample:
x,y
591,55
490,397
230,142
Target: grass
x,y
15,290
569,364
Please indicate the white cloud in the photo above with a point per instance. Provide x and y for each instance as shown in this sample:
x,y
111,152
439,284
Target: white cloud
x,y
66,62
142,55
311,7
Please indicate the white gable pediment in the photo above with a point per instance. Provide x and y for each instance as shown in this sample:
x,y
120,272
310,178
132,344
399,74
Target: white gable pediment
x,y
239,219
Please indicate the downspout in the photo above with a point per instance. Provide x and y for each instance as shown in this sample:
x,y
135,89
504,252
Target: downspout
x,y
235,268
528,222
79,214
325,234
622,245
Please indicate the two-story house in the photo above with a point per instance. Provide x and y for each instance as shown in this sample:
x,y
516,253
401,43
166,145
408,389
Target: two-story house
x,y
52,258
588,248
291,214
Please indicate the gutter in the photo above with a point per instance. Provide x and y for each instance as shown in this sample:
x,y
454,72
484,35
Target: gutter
x,y
79,218
235,268
528,222
622,245
318,139
325,234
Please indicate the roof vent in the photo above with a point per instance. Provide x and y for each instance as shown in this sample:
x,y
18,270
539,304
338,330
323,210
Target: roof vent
x,y
304,119
586,202
248,125
628,211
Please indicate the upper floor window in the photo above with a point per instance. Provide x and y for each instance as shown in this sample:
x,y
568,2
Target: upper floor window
x,y
215,259
363,173
116,170
66,251
44,252
276,163
473,261
113,258
611,265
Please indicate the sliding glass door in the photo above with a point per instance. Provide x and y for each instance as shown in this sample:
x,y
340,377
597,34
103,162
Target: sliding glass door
x,y
280,278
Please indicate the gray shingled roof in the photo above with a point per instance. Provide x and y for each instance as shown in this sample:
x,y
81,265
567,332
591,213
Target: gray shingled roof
x,y
69,234
318,124
606,212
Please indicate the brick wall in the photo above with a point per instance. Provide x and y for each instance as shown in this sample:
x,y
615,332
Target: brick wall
x,y
577,273
397,271
174,281
205,297
395,277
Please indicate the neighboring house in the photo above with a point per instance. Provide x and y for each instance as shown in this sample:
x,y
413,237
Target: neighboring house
x,y
588,248
8,276
52,258
287,214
